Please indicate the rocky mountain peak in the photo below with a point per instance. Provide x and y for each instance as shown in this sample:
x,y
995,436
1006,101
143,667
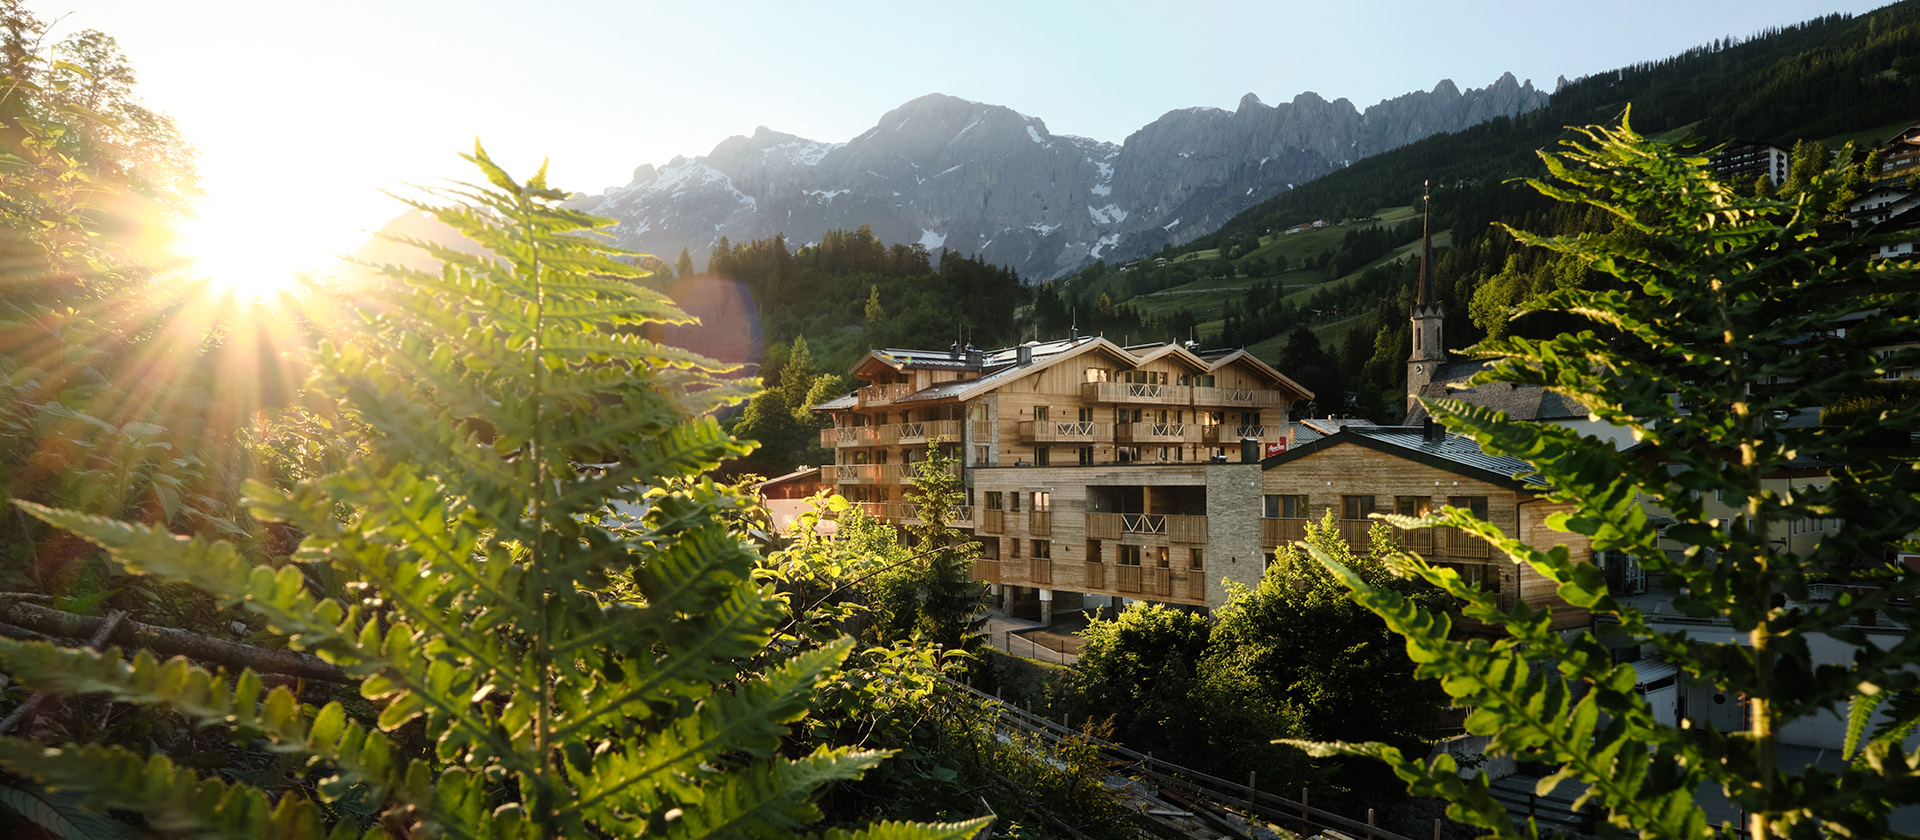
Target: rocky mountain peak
x,y
942,171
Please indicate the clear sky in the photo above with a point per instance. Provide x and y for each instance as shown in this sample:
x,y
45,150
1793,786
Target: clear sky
x,y
302,112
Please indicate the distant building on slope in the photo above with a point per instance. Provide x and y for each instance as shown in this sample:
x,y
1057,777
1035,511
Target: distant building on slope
x,y
1742,160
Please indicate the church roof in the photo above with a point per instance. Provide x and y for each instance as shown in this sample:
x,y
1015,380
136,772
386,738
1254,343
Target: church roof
x,y
1520,402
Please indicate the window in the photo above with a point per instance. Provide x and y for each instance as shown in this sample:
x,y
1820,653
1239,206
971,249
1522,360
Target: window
x,y
1043,549
1042,456
1412,505
1093,551
1129,555
980,413
1477,505
1013,501
1086,455
1040,412
1161,559
1355,507
1099,375
1013,546
1479,574
1196,558
1285,507
995,500
1042,500
1086,414
982,455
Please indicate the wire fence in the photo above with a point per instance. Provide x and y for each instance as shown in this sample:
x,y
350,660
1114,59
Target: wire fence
x,y
1184,781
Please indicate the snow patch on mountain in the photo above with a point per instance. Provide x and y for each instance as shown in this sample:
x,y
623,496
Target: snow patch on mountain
x,y
931,240
1108,215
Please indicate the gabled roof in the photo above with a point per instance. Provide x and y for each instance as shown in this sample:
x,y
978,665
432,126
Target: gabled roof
x,y
999,367
1454,453
1520,402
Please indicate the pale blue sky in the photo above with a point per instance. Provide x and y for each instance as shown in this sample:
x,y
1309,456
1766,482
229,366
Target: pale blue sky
x,y
303,110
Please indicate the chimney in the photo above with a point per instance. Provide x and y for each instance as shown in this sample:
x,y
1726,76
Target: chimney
x,y
1073,335
1249,450
1023,355
954,350
974,357
1431,432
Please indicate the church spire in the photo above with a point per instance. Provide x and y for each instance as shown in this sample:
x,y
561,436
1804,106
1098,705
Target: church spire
x,y
1429,316
1426,246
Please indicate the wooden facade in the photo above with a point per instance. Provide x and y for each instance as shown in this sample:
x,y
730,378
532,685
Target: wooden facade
x,y
1352,474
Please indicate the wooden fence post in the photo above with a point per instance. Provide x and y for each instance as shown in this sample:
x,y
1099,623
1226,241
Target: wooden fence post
x,y
1369,824
1304,816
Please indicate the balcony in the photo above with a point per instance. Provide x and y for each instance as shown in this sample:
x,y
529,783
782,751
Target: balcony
x,y
1136,393
1040,523
1129,579
993,521
1237,397
1158,433
1040,570
1232,435
901,513
986,570
873,395
922,431
1278,532
1180,529
1196,588
850,436
1062,431
1096,575
878,473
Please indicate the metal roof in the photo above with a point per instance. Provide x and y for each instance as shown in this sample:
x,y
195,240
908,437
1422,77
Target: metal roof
x,y
1455,453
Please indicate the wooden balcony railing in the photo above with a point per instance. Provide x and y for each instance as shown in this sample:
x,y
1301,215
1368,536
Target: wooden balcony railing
x,y
1136,393
1128,579
1111,526
986,570
1040,570
920,431
1040,522
993,521
850,436
1063,431
1454,542
1278,532
1159,582
1196,585
882,394
1237,397
910,473
1355,532
1417,540
1158,433
902,513
1096,575
1224,435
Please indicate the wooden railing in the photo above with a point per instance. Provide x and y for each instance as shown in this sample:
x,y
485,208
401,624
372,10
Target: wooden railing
x,y
1417,540
1278,532
1457,543
1158,432
1110,526
1355,532
993,521
1040,522
1229,435
1197,585
1096,575
1160,582
882,394
986,570
1062,431
1237,397
1128,578
1136,393
852,436
920,431
1040,570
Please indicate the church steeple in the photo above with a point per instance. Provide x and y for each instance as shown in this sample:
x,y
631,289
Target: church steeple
x,y
1429,316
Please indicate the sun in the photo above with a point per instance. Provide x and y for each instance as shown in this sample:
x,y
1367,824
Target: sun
x,y
242,257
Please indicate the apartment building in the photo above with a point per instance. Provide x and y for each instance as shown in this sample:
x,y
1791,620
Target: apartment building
x,y
1090,468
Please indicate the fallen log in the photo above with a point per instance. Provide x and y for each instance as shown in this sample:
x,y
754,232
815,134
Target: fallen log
x,y
169,641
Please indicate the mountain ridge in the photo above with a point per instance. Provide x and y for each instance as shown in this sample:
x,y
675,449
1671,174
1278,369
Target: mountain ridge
x,y
941,171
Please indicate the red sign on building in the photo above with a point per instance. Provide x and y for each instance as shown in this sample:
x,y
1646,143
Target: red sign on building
x,y
1275,448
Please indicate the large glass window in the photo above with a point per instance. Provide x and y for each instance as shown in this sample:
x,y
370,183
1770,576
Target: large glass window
x,y
1476,504
1285,507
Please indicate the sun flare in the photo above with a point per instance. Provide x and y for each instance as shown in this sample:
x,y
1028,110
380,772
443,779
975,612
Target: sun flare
x,y
237,258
